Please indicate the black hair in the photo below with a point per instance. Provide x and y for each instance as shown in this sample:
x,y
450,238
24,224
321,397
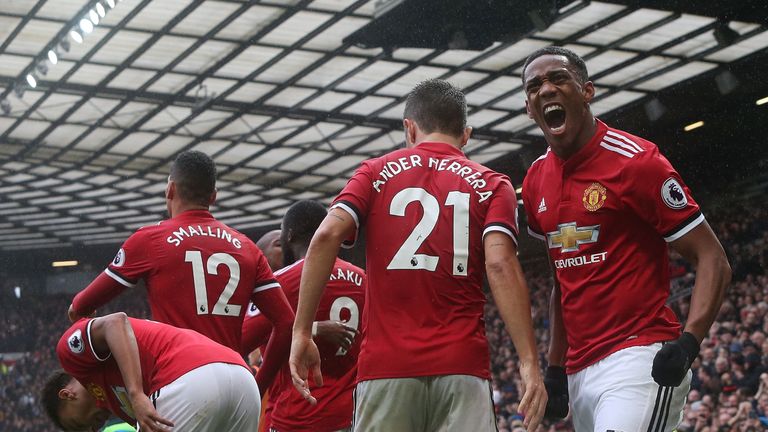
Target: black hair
x,y
49,396
437,106
195,176
576,62
302,220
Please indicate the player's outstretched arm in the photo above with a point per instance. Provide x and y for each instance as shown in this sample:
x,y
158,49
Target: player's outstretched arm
x,y
96,294
256,332
114,334
318,263
274,305
713,274
510,292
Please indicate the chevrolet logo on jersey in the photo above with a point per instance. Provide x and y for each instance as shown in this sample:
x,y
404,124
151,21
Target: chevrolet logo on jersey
x,y
569,237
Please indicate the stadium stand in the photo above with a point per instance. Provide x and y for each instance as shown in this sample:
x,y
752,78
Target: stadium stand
x,y
730,379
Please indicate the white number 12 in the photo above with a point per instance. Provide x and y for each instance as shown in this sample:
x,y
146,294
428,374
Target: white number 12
x,y
201,292
406,257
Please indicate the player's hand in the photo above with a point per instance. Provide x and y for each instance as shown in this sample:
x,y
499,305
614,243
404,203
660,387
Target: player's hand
x,y
305,360
147,417
534,400
556,382
673,360
336,333
74,316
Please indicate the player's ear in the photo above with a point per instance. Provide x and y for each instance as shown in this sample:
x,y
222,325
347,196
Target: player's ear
x,y
588,89
465,135
170,190
213,197
528,109
410,132
67,394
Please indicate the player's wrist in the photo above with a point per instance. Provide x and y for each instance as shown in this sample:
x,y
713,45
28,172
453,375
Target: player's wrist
x,y
314,329
690,345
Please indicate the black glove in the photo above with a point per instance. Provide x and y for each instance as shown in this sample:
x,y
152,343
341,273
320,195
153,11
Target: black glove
x,y
556,383
673,360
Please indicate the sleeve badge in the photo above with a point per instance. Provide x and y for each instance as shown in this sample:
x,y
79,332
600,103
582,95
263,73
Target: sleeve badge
x,y
673,194
75,342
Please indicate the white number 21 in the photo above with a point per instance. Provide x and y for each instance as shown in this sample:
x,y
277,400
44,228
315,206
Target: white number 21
x,y
406,257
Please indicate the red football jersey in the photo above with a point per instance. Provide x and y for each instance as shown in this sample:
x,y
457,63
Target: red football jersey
x,y
343,300
606,215
426,211
165,352
200,273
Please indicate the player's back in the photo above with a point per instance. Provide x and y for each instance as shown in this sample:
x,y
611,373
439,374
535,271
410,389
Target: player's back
x,y
343,300
425,211
200,273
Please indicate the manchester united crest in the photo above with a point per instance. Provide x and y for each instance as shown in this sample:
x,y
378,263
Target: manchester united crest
x,y
96,391
594,197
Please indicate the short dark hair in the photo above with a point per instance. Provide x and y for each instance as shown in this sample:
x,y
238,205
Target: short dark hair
x,y
49,397
575,61
195,176
302,220
437,106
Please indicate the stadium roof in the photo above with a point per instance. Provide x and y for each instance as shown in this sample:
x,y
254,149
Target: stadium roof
x,y
288,96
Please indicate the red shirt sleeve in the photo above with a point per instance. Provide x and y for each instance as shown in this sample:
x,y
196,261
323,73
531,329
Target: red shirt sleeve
x,y
99,292
74,350
657,194
134,259
274,306
355,199
533,225
265,279
502,210
257,328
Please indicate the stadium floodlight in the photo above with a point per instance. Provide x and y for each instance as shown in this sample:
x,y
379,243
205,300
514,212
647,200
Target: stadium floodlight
x,y
111,4
18,90
100,10
86,26
94,17
76,35
762,101
5,106
64,44
52,57
42,68
31,80
694,125
69,263
724,34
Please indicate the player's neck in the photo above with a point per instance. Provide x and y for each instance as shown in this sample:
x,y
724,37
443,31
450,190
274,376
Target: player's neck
x,y
440,137
300,252
179,208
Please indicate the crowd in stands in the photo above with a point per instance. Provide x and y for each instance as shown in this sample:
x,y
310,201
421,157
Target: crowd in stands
x,y
33,325
729,390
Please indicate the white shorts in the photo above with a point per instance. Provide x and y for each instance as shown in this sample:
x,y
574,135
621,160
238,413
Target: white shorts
x,y
618,394
214,397
443,403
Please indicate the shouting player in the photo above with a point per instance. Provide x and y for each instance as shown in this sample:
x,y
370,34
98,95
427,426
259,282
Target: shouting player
x,y
435,223
607,203
150,374
200,273
335,328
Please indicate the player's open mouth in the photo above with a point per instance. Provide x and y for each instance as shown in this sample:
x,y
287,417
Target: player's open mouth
x,y
554,116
